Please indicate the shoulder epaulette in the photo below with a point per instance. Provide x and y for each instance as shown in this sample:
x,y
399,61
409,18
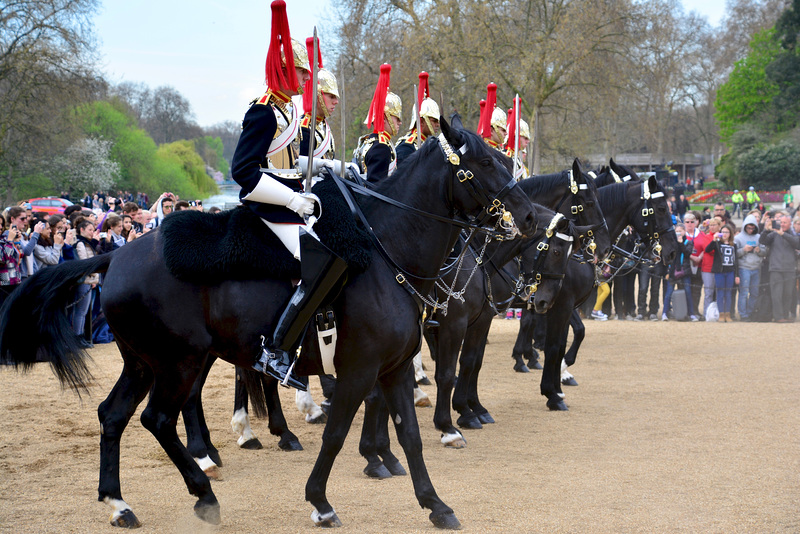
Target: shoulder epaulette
x,y
385,138
305,121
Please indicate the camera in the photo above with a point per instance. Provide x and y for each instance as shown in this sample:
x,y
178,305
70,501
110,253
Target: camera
x,y
776,225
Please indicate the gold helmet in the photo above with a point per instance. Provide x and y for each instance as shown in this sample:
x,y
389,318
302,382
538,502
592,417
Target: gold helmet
x,y
394,106
524,130
499,118
300,55
327,82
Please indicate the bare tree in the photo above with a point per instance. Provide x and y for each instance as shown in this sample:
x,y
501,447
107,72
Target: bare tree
x,y
47,53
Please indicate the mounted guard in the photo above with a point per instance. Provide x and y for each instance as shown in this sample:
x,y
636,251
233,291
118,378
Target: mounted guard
x,y
263,165
327,93
424,121
375,155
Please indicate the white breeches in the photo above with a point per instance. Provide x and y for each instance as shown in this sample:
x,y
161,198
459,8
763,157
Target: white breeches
x,y
289,234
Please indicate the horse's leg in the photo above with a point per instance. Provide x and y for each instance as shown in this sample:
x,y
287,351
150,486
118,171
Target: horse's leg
x,y
198,439
328,383
351,390
578,335
448,344
539,330
397,390
368,445
480,330
114,414
305,403
276,421
169,393
240,422
523,347
557,322
382,441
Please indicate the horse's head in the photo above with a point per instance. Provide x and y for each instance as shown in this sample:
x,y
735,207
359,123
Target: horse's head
x,y
587,213
482,188
544,262
653,222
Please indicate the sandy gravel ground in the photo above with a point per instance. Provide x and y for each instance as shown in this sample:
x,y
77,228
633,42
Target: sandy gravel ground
x,y
675,427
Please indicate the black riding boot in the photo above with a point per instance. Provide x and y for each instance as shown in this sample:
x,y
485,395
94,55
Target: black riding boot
x,y
320,270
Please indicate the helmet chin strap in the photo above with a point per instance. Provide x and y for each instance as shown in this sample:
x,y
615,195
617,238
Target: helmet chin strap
x,y
389,124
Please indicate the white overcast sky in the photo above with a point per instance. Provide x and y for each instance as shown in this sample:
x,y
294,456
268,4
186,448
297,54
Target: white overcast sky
x,y
213,51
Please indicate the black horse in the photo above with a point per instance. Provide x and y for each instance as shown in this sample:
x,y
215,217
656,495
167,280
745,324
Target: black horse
x,y
466,326
641,205
166,328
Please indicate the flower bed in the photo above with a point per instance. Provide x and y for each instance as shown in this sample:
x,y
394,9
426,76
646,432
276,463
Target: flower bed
x,y
716,195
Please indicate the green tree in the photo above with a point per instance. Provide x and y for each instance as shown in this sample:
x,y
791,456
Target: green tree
x,y
194,182
771,166
748,91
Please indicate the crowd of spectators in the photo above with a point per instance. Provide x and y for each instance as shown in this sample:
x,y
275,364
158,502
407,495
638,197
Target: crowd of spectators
x,y
748,272
98,224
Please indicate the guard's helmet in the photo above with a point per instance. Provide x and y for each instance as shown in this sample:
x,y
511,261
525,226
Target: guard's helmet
x,y
524,130
499,119
327,82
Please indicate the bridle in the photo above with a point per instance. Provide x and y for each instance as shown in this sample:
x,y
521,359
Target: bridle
x,y
588,244
653,244
493,207
536,274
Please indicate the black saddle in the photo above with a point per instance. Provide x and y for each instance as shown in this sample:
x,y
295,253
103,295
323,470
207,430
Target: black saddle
x,y
209,248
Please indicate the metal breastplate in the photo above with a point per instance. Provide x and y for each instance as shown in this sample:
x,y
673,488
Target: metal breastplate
x,y
285,147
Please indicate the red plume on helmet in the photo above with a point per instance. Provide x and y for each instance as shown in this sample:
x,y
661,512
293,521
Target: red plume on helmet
x,y
424,91
486,121
378,104
281,40
511,125
482,115
308,91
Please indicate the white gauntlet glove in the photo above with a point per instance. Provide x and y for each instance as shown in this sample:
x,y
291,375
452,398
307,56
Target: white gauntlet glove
x,y
301,204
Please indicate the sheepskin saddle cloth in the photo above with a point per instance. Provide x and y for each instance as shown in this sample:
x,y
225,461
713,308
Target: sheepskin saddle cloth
x,y
208,248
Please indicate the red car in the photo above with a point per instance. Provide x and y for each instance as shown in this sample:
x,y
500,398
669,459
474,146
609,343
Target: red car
x,y
48,205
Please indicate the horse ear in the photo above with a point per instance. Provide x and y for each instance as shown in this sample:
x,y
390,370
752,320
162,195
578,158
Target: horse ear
x,y
577,172
455,120
452,135
652,183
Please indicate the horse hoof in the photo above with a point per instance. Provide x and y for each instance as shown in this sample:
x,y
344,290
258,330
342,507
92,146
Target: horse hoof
x,y
569,381
469,422
395,468
252,444
424,382
213,473
521,368
214,455
447,521
423,402
125,519
486,418
329,520
290,444
380,472
557,405
535,365
454,440
208,512
325,407
319,420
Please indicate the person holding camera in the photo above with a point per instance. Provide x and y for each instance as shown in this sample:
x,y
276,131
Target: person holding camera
x,y
781,261
705,260
750,254
163,207
725,269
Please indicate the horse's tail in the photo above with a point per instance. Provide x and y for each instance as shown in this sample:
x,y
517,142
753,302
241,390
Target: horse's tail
x,y
254,383
34,325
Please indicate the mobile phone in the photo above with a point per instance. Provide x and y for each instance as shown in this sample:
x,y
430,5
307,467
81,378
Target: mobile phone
x,y
776,225
14,226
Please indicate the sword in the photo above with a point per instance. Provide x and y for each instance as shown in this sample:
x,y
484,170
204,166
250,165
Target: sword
x,y
516,134
313,126
341,105
418,118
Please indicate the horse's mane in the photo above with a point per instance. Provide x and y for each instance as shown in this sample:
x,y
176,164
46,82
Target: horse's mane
x,y
613,194
541,183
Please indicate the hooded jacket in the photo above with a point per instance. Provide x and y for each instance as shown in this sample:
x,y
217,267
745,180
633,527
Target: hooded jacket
x,y
749,260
